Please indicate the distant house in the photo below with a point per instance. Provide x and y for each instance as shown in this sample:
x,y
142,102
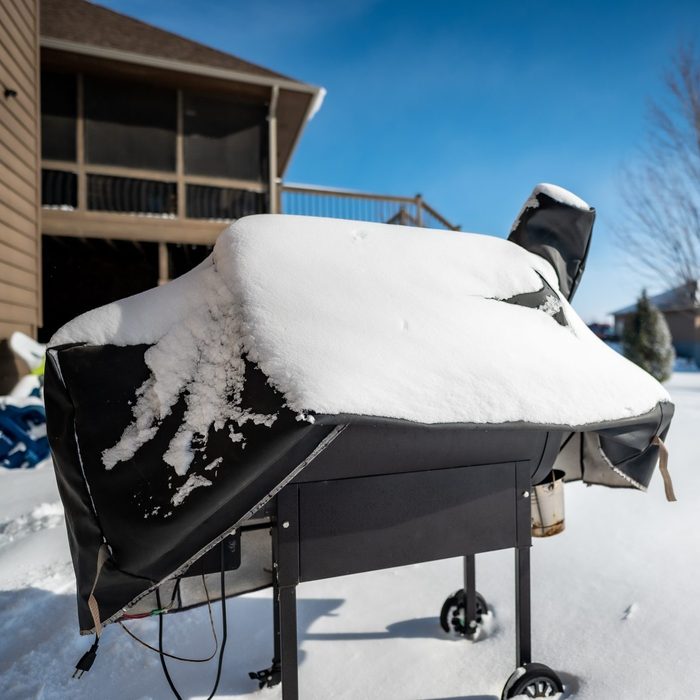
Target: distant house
x,y
124,150
681,308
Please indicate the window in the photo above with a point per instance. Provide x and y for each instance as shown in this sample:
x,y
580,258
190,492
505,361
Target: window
x,y
58,116
129,124
224,137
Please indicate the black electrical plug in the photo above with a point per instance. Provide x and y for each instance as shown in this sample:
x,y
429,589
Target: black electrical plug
x,y
86,660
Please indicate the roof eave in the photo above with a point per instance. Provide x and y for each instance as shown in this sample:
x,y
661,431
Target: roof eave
x,y
695,308
174,65
313,107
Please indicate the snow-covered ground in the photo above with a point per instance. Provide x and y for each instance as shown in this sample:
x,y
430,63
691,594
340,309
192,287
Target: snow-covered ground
x,y
616,605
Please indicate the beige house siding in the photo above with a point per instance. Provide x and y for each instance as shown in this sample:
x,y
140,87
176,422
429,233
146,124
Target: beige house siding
x,y
682,325
20,292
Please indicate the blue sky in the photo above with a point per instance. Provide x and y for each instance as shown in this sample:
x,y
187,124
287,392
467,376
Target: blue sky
x,y
469,103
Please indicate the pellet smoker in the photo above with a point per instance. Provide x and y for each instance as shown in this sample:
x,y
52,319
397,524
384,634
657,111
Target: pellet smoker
x,y
325,397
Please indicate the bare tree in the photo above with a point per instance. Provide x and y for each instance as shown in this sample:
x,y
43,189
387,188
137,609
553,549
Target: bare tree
x,y
661,190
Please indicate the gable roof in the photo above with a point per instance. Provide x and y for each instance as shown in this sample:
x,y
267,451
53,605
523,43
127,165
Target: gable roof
x,y
87,23
683,298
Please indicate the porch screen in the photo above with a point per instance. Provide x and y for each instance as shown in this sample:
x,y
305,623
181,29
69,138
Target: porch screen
x,y
58,115
129,124
224,137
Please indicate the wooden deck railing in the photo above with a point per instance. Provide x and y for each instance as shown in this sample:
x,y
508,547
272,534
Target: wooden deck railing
x,y
108,191
311,200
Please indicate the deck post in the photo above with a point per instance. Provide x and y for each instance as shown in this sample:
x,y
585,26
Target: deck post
x,y
273,196
181,188
163,263
82,198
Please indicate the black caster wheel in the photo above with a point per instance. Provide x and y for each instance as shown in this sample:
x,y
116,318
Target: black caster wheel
x,y
453,614
533,681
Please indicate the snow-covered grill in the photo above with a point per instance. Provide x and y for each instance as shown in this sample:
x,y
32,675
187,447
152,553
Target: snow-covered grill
x,y
371,395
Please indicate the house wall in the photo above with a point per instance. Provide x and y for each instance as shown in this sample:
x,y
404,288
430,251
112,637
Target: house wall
x,y
685,331
19,178
682,325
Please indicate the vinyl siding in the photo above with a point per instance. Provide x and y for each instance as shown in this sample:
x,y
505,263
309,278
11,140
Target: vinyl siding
x,y
20,266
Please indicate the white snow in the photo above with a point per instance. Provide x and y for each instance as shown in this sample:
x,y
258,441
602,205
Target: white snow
x,y
198,358
319,99
141,318
42,517
213,464
552,305
360,318
558,194
370,319
194,481
615,608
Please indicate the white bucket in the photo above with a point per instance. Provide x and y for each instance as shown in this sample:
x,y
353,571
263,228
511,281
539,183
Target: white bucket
x,y
547,505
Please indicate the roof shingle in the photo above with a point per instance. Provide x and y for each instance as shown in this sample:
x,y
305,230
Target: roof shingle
x,y
87,23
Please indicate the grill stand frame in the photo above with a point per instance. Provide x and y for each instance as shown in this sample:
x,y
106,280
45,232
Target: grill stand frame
x,y
288,573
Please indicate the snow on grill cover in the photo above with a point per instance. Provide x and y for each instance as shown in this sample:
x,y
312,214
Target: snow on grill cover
x,y
176,414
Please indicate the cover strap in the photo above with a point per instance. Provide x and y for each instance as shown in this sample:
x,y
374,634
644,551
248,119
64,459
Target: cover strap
x,y
102,555
663,467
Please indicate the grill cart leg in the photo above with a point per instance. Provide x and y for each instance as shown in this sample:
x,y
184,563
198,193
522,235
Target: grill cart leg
x,y
288,642
530,679
269,677
470,591
463,611
277,634
285,554
523,643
